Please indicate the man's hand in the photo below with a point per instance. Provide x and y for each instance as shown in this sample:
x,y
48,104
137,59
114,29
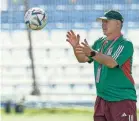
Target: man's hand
x,y
73,39
84,48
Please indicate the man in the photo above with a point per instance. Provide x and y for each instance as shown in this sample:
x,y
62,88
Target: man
x,y
112,56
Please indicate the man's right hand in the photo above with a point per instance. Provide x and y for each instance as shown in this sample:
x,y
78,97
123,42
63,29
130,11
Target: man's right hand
x,y
73,39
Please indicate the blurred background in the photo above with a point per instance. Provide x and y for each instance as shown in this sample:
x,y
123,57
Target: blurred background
x,y
40,77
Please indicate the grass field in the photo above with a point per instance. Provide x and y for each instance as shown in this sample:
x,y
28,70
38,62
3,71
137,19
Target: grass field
x,y
49,115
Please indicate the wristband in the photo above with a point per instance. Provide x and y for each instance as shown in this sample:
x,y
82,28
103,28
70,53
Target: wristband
x,y
90,59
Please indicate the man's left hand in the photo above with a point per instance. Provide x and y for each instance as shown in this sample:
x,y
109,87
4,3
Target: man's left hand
x,y
86,48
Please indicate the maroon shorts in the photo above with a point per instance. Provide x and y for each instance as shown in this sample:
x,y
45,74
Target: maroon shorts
x,y
115,111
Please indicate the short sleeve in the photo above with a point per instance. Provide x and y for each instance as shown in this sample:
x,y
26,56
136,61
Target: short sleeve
x,y
123,52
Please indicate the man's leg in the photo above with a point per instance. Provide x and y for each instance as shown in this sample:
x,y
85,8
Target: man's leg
x,y
122,111
99,110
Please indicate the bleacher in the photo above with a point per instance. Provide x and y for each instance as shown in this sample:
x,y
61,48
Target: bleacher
x,y
55,63
64,14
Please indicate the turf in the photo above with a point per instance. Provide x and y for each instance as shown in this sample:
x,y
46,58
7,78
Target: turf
x,y
49,115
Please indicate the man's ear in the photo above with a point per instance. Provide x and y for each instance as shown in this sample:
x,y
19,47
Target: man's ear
x,y
119,24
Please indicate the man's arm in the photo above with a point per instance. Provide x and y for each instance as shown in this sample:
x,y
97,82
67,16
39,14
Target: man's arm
x,y
74,39
99,57
82,58
105,59
117,57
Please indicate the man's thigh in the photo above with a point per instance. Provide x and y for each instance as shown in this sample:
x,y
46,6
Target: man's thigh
x,y
122,111
99,114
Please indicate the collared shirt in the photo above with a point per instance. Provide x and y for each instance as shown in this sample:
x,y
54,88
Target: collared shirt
x,y
117,83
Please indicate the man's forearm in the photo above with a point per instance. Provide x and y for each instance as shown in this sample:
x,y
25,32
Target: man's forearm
x,y
81,57
105,59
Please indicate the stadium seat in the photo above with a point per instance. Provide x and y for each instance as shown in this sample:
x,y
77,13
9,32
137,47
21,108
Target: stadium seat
x,y
58,37
5,40
136,56
19,42
42,41
88,70
81,89
133,36
93,35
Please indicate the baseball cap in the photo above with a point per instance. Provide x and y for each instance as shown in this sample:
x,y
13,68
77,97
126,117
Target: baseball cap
x,y
112,14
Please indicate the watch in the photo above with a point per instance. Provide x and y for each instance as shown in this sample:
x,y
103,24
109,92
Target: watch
x,y
92,53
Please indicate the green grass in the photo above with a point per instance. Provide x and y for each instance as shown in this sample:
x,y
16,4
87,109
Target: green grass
x,y
50,115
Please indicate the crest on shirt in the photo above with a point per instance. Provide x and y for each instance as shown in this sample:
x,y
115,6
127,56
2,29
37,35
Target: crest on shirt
x,y
109,51
98,49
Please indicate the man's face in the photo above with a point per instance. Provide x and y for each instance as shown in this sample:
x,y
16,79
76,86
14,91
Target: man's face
x,y
109,26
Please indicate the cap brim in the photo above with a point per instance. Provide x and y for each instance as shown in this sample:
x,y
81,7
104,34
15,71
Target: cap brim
x,y
101,18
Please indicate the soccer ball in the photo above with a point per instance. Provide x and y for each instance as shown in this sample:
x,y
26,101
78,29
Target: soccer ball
x,y
35,18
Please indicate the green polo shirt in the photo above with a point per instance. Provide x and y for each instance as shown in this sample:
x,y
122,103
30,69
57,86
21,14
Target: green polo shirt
x,y
116,83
